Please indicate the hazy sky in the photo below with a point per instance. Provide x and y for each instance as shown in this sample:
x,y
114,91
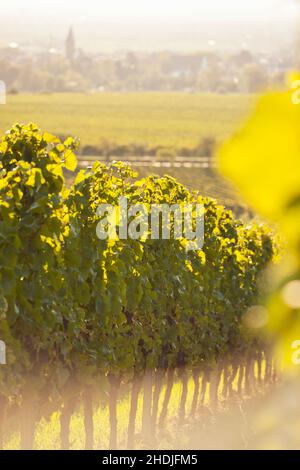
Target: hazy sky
x,y
150,10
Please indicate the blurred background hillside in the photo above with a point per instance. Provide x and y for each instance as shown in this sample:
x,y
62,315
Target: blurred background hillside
x,y
189,47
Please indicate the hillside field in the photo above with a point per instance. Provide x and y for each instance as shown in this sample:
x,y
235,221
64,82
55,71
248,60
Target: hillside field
x,y
104,121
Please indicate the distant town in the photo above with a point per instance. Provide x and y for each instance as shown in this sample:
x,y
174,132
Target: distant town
x,y
69,68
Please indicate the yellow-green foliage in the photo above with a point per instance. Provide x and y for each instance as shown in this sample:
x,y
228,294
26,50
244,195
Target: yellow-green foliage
x,y
268,176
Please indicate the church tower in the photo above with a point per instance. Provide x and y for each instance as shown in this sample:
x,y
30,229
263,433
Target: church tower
x,y
70,46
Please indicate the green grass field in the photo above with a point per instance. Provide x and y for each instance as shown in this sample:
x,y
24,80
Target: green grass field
x,y
171,120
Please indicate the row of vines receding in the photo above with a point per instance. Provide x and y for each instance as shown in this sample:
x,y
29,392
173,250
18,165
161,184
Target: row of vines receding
x,y
83,317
